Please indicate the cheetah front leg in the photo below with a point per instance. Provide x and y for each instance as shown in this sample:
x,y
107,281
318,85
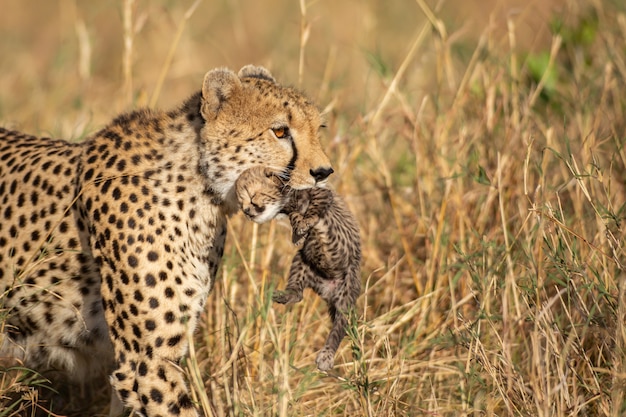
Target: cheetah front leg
x,y
148,345
300,226
319,199
153,387
297,281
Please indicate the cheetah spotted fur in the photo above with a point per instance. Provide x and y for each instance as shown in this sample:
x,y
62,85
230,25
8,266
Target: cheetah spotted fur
x,y
109,248
328,261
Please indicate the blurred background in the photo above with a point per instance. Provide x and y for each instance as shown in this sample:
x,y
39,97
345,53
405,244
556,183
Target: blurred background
x,y
79,57
480,144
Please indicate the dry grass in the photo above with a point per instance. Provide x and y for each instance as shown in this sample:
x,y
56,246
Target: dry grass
x,y
481,148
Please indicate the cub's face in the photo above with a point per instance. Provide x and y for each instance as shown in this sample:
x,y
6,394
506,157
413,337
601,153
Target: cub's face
x,y
261,194
251,121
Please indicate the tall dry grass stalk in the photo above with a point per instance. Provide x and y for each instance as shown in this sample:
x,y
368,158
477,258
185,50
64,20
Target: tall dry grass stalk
x,y
127,60
485,164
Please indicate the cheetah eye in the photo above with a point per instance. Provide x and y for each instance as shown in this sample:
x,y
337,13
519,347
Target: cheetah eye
x,y
281,132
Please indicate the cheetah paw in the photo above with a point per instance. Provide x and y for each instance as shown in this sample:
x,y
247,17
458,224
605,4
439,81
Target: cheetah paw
x,y
286,297
302,225
298,240
325,359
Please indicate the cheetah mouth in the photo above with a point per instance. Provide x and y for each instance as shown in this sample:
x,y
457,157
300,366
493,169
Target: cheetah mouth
x,y
321,184
299,182
289,179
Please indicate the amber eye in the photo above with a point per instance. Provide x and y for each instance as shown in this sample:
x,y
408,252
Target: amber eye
x,y
280,132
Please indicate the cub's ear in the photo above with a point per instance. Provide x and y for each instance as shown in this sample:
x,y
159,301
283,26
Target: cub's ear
x,y
218,86
252,71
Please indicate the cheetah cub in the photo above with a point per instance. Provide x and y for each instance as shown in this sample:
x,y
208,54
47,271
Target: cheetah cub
x,y
330,254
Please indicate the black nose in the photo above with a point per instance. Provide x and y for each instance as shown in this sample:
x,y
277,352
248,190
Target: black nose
x,y
320,174
258,208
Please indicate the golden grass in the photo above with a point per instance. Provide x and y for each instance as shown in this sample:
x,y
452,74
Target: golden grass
x,y
482,152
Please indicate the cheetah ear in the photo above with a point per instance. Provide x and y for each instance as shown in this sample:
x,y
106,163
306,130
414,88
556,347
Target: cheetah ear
x,y
252,71
219,85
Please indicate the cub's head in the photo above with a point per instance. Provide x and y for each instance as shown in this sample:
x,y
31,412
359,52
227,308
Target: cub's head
x,y
252,121
261,194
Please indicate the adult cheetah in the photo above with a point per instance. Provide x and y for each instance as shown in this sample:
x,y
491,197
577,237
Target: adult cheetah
x,y
109,248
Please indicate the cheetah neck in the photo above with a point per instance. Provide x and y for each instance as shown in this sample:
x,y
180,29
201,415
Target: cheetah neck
x,y
163,146
222,193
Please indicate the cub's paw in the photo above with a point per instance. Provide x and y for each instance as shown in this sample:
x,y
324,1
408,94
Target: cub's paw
x,y
302,225
325,359
298,240
286,297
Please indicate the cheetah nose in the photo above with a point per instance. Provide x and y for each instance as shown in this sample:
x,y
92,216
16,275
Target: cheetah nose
x,y
258,208
320,174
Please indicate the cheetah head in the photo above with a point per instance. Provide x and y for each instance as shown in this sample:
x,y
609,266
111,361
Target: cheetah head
x,y
261,194
251,121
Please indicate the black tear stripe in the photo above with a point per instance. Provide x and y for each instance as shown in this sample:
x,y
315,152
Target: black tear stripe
x,y
292,164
